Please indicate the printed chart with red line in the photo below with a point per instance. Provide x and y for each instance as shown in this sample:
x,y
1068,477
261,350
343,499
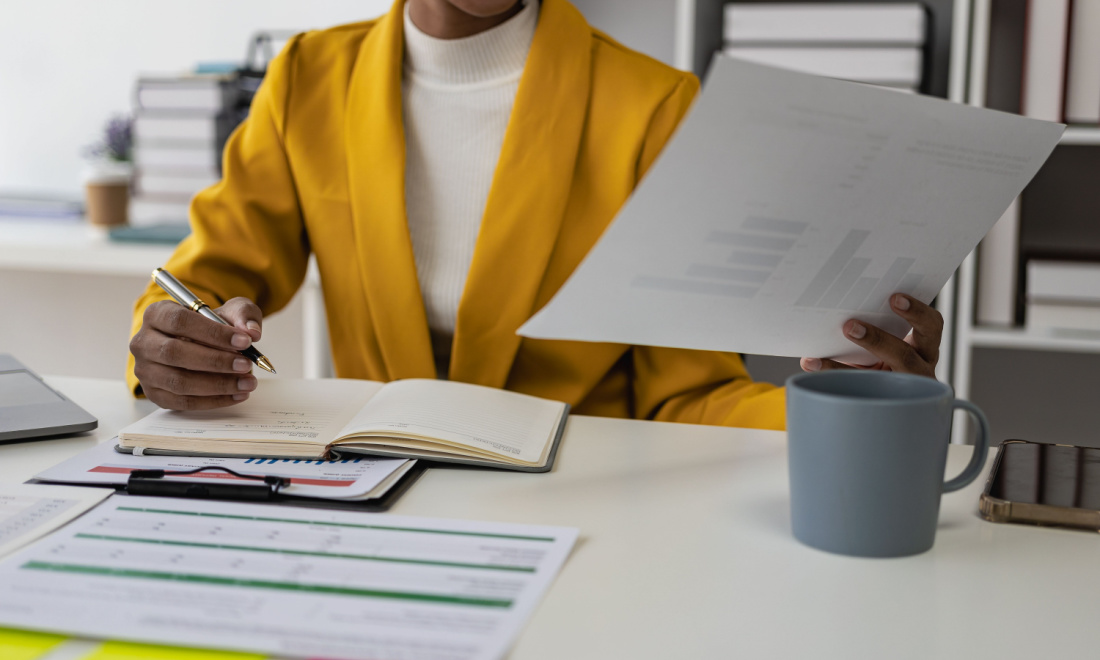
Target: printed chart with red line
x,y
347,479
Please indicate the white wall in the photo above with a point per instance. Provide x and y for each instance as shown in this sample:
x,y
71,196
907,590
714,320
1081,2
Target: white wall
x,y
67,65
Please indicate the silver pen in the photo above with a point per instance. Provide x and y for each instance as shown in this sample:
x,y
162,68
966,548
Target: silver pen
x,y
183,296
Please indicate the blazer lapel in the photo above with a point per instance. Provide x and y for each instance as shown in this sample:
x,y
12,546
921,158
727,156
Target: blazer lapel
x,y
376,180
528,197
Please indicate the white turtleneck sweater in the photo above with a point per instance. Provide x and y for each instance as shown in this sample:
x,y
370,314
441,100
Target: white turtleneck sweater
x,y
457,96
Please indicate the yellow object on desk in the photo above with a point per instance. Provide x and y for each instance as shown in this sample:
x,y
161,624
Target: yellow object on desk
x,y
24,645
127,651
27,645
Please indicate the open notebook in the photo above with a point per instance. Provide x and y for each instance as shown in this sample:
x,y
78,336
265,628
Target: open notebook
x,y
430,419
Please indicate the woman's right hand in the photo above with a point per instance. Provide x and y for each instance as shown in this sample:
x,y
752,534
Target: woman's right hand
x,y
185,361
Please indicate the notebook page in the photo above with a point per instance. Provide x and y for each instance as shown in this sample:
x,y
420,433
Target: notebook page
x,y
280,410
504,423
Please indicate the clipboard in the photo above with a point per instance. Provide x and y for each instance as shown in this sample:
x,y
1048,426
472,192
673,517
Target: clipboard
x,y
178,489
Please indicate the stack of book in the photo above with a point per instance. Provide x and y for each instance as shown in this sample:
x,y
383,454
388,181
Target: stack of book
x,y
1061,68
181,125
1063,295
876,43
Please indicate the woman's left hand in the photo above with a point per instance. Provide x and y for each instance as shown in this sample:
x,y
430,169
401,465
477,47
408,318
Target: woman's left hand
x,y
916,354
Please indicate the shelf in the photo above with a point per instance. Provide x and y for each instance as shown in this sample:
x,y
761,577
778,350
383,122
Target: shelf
x,y
1066,341
68,247
1081,135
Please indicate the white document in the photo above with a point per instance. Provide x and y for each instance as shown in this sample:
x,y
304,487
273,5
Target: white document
x,y
30,511
786,204
284,580
349,479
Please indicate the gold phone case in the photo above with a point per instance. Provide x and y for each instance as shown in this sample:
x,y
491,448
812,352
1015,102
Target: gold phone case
x,y
995,509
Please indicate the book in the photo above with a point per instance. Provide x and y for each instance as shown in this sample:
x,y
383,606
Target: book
x,y
997,270
154,157
1063,281
1083,75
1045,59
318,419
165,233
212,93
897,67
182,185
184,128
1063,316
815,23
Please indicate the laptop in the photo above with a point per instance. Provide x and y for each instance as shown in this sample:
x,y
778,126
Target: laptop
x,y
29,408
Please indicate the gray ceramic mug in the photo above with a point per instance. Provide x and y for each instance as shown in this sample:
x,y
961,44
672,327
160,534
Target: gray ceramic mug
x,y
866,453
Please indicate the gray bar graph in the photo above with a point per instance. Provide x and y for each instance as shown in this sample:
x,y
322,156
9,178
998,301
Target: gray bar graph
x,y
762,259
723,273
694,286
833,267
760,223
743,240
860,290
888,284
844,283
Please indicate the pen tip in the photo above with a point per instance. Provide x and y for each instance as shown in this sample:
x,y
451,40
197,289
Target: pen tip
x,y
265,364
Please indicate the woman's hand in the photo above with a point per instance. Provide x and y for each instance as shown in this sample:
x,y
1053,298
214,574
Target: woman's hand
x,y
916,354
185,361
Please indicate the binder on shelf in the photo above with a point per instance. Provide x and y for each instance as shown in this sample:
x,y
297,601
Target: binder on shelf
x,y
1083,66
903,24
1047,32
997,270
875,43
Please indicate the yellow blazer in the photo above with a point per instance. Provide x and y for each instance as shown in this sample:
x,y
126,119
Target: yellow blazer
x,y
319,167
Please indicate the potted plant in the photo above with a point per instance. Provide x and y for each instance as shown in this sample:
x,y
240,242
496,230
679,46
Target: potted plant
x,y
110,169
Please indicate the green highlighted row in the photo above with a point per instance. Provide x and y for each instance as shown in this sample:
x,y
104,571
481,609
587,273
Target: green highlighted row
x,y
263,584
296,521
306,553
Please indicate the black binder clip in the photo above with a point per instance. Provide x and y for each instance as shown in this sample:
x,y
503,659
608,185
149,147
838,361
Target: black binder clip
x,y
152,482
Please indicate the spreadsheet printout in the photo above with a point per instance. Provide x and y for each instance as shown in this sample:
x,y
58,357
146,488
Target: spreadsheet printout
x,y
29,511
786,204
285,580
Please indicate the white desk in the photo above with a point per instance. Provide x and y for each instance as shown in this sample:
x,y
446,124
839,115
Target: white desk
x,y
686,552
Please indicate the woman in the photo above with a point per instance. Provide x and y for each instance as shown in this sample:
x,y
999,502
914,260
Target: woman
x,y
449,164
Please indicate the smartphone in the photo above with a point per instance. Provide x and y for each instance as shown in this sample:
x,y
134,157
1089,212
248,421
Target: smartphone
x,y
1044,484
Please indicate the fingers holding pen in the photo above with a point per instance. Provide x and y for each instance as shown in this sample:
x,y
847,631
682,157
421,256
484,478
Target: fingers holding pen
x,y
184,382
180,352
174,320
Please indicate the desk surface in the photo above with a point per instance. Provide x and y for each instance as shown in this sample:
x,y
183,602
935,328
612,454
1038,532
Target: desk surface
x,y
686,552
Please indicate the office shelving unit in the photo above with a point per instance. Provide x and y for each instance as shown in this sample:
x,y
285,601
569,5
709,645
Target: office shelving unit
x,y
686,34
969,334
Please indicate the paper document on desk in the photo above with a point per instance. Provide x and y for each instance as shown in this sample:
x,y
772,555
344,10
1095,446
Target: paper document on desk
x,y
351,479
786,204
30,511
291,581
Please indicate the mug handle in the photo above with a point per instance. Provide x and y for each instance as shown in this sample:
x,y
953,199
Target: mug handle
x,y
981,447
